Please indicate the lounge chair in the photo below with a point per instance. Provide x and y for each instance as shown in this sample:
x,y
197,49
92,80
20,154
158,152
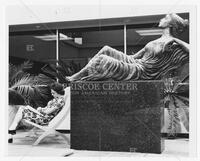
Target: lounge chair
x,y
55,122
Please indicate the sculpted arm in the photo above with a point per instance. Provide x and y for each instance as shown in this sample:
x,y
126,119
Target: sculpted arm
x,y
184,45
139,54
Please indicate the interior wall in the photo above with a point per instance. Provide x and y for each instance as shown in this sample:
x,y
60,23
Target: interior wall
x,y
90,52
93,41
115,37
68,51
43,51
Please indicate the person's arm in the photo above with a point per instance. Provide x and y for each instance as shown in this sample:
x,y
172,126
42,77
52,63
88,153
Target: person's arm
x,y
41,109
50,110
60,103
139,54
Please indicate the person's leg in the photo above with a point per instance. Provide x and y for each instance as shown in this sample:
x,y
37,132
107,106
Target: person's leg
x,y
33,110
13,126
17,118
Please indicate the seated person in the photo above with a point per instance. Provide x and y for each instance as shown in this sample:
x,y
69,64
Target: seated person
x,y
41,116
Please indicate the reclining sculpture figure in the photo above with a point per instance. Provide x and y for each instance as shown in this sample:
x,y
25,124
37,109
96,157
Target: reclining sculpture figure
x,y
152,62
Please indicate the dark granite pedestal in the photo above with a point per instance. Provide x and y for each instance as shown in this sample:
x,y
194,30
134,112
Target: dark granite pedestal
x,y
117,116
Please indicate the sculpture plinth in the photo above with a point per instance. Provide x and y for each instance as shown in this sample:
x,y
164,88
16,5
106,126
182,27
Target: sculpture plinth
x,y
117,116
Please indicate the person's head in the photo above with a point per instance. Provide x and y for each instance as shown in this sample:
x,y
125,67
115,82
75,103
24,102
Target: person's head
x,y
174,22
57,89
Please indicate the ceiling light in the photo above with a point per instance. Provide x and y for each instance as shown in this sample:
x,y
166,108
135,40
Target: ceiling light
x,y
53,37
149,32
78,40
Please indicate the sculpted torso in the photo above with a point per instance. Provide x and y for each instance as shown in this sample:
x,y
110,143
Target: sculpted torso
x,y
155,48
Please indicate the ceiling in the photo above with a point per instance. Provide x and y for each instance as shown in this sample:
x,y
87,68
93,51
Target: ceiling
x,y
94,24
26,12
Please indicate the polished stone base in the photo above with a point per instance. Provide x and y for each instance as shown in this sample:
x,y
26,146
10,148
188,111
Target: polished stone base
x,y
117,116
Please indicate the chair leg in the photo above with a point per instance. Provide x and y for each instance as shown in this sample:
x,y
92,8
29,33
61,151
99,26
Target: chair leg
x,y
62,135
46,133
32,132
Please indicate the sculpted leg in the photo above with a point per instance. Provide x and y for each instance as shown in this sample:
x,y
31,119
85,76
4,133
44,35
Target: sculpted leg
x,y
106,50
77,76
109,51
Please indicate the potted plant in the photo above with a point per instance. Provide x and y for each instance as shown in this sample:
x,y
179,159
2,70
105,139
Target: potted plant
x,y
176,100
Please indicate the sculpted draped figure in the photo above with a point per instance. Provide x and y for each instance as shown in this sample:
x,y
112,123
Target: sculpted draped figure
x,y
152,62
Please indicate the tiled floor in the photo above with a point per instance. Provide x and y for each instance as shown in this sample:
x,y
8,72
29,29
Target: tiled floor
x,y
57,146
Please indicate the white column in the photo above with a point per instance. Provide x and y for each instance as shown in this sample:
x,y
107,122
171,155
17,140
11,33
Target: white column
x,y
125,39
57,46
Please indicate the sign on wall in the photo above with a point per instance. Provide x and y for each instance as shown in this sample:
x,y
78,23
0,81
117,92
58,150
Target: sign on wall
x,y
30,47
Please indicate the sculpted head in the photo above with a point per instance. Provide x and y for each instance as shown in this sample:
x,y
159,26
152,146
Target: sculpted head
x,y
174,22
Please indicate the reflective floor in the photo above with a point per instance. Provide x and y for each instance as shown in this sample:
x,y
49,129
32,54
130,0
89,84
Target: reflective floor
x,y
57,146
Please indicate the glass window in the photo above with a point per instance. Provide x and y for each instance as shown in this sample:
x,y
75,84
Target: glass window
x,y
77,47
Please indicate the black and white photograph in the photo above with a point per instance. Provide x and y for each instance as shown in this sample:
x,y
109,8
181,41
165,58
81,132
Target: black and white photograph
x,y
100,80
